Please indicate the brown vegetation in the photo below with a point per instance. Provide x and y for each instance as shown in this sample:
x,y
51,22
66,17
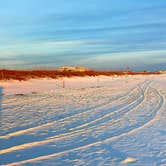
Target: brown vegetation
x,y
29,74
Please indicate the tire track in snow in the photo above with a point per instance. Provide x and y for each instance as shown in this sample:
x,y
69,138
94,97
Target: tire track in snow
x,y
100,106
118,113
124,110
145,124
54,118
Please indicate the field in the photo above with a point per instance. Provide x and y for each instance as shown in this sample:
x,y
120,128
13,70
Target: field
x,y
23,75
82,121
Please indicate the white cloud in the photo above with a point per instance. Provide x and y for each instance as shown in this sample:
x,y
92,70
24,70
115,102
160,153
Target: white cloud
x,y
126,58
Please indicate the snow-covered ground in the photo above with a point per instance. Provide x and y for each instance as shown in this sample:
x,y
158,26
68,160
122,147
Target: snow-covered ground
x,y
84,121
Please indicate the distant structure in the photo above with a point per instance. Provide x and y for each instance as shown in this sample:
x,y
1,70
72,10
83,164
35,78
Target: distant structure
x,y
73,68
162,71
127,69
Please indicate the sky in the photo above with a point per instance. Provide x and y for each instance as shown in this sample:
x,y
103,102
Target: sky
x,y
99,34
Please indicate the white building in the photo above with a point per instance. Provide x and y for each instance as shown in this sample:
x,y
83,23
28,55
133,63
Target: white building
x,y
162,71
73,68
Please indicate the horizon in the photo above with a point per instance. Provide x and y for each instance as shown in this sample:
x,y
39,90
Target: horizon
x,y
98,35
127,69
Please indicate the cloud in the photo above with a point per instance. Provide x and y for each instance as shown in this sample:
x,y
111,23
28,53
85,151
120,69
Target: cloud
x,y
60,43
38,47
123,59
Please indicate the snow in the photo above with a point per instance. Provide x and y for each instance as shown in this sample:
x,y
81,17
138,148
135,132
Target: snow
x,y
91,121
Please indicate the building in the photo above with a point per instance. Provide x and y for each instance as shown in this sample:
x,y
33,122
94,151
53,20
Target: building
x,y
73,68
162,71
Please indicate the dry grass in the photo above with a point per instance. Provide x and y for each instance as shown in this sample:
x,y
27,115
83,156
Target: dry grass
x,y
29,74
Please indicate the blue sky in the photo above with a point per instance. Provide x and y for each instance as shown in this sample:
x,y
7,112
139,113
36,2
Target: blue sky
x,y
107,34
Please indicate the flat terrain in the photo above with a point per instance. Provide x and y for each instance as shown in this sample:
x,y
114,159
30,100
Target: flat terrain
x,y
23,75
84,121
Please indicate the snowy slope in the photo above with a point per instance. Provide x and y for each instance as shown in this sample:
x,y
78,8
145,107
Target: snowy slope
x,y
92,121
